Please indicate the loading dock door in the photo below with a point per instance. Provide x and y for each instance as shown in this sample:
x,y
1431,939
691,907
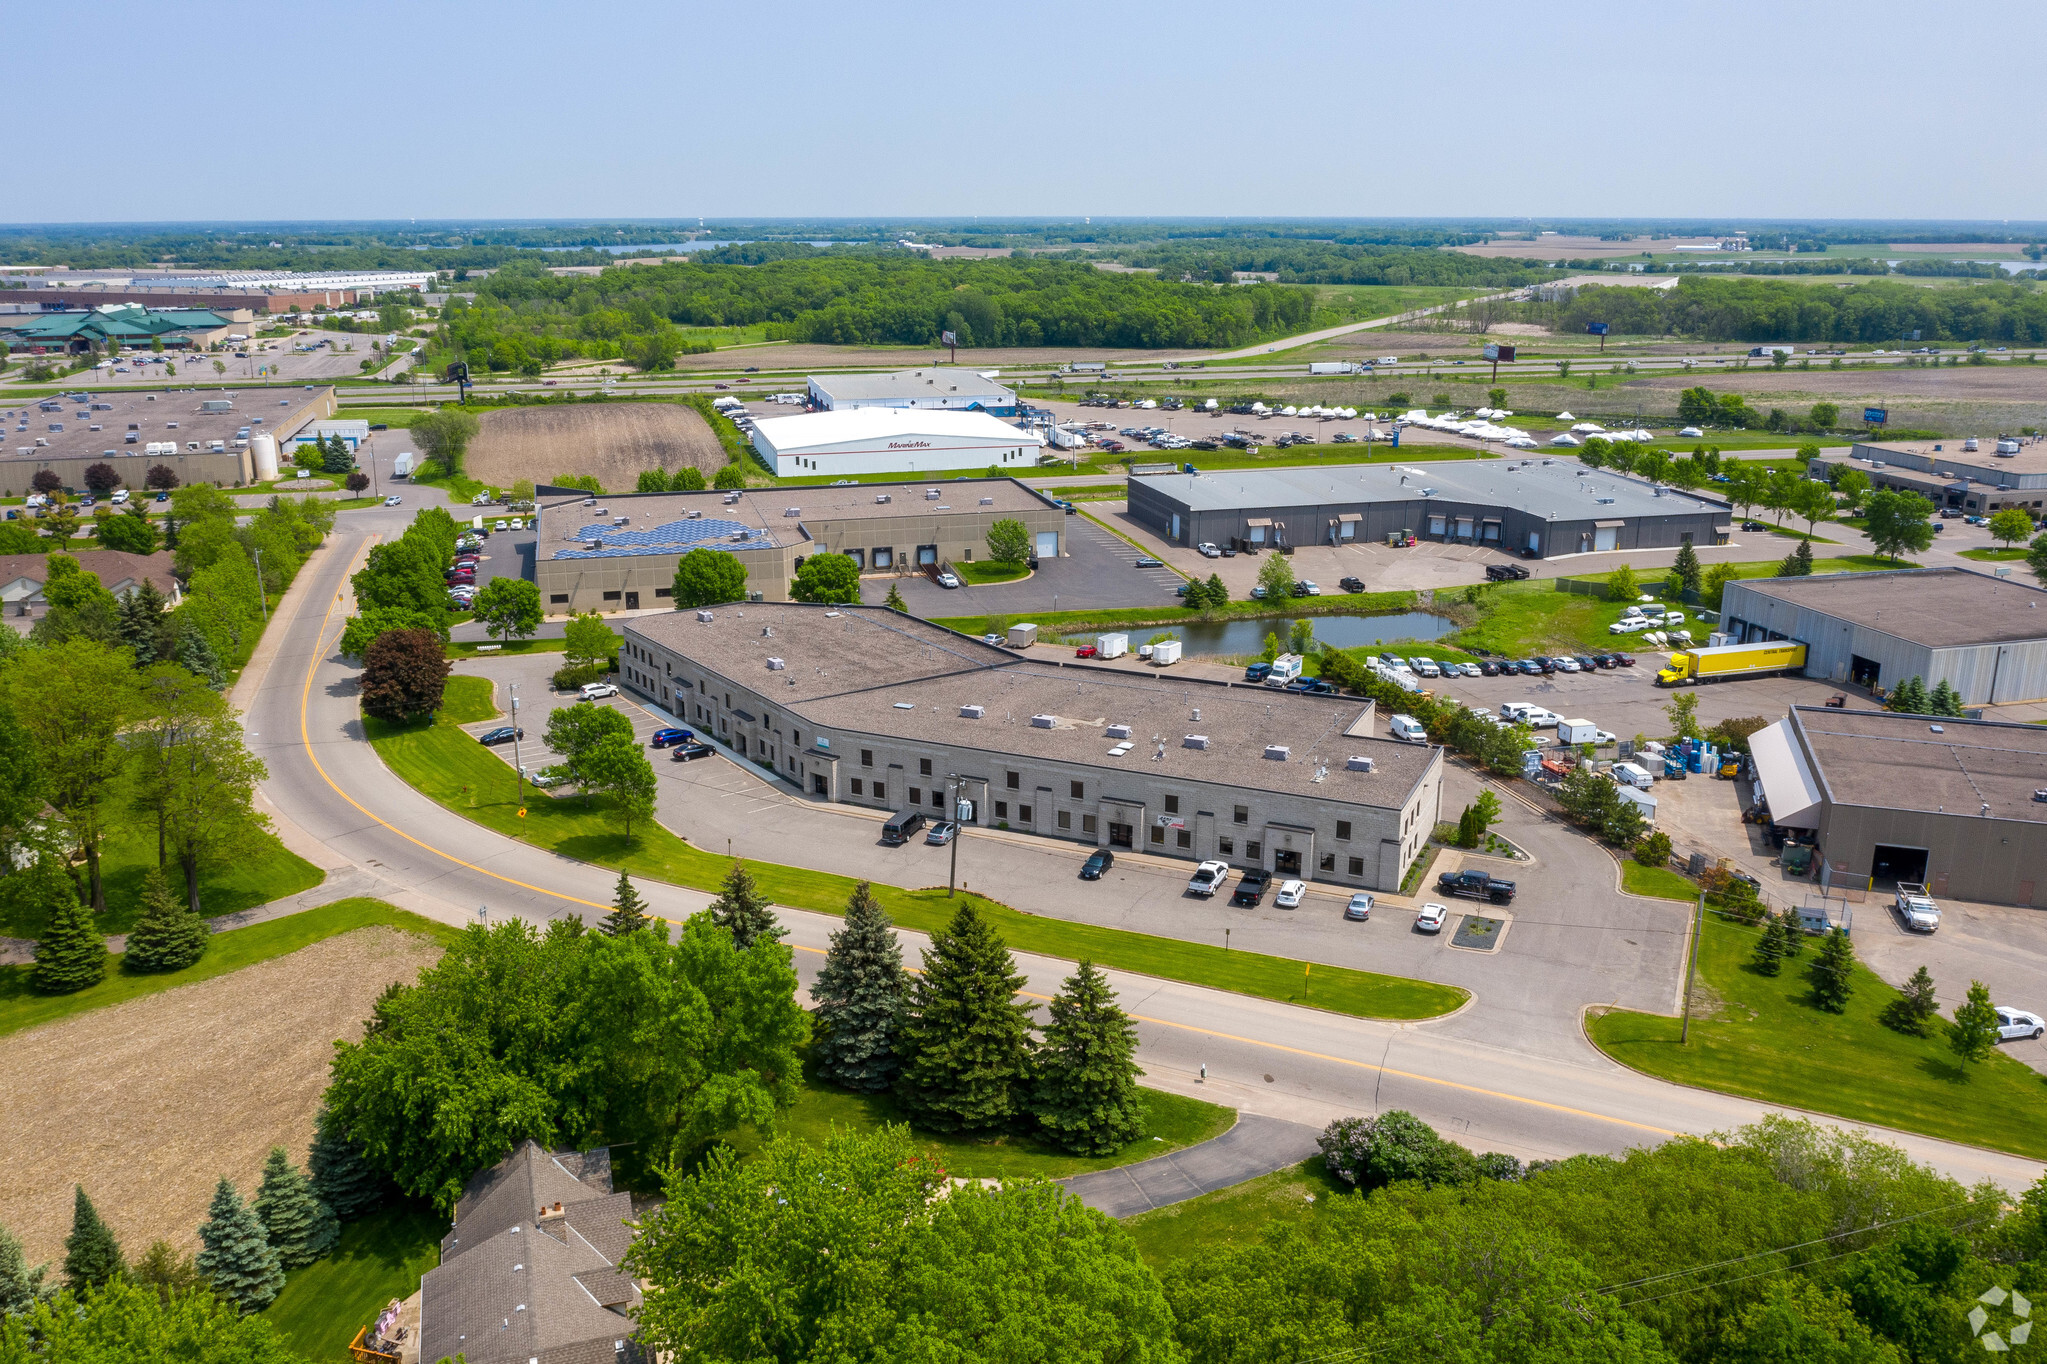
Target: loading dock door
x,y
1048,541
1892,863
1604,534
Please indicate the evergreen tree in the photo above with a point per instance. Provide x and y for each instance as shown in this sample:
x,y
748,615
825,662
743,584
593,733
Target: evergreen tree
x,y
70,954
1908,697
861,995
966,1045
1218,594
1832,973
895,600
1086,1098
1915,1008
1974,1031
1798,563
1793,930
1771,948
340,1177
21,1288
194,653
1686,570
145,625
300,1226
236,1255
91,1254
628,910
1944,700
168,936
743,911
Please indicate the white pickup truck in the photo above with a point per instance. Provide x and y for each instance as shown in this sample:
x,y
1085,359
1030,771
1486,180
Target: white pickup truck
x,y
1917,908
1208,878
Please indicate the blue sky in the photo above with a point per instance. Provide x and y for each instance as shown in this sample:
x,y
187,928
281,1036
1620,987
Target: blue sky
x,y
599,110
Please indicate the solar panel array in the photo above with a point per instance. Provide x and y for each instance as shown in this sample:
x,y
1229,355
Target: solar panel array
x,y
676,537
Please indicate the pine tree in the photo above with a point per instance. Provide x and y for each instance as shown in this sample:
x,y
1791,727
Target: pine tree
x,y
1686,569
1086,1098
236,1255
1770,952
168,936
1793,931
91,1254
1915,1008
743,911
70,954
1832,973
861,996
1908,697
1218,594
1944,700
21,1288
340,1175
628,910
301,1227
966,1045
895,600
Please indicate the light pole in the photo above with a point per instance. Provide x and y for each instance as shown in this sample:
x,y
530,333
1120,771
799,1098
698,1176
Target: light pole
x,y
958,822
262,596
518,763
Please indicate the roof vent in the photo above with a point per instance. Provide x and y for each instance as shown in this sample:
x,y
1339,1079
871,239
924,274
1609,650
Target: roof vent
x,y
906,705
972,712
694,516
704,616
987,501
1604,501
1277,752
1195,741
1358,764
1936,729
776,665
1043,722
1119,731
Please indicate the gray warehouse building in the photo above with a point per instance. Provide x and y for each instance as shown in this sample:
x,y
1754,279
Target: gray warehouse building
x,y
1539,507
948,389
1951,803
1983,635
867,707
2009,472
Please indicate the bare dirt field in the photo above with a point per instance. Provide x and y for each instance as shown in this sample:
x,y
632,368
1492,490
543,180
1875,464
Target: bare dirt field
x,y
1586,248
147,1104
614,441
1961,399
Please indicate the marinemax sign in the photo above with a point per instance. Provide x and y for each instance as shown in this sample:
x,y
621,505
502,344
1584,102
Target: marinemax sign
x,y
909,445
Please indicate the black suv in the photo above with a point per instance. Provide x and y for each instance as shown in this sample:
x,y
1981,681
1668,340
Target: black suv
x,y
1352,584
1251,889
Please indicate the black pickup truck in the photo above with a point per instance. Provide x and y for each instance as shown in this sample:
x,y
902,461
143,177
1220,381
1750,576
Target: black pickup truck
x,y
1476,885
1251,888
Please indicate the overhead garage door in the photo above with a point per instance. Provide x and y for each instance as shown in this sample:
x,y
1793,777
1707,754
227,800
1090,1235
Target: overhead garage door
x,y
1787,782
1048,541
1604,533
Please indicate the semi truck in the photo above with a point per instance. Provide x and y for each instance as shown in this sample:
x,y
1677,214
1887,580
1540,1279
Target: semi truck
x,y
1727,661
1337,367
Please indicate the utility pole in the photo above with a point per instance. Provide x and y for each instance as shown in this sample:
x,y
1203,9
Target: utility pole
x,y
262,596
953,788
1692,966
518,763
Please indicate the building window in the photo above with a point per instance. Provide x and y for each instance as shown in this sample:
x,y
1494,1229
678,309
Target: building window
x,y
1226,846
1087,824
1343,830
1184,837
923,767
916,795
1065,819
1078,790
937,799
1329,861
880,791
1023,814
1253,849
613,596
728,700
1172,805
664,591
558,599
867,757
1002,809
854,786
1357,866
796,736
1013,782
1242,815
1158,834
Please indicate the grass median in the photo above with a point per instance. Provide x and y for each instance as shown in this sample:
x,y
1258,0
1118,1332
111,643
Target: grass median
x,y
1658,882
452,769
1757,1036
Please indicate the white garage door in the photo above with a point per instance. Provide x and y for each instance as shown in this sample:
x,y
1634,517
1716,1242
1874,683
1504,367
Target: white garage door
x,y
1048,544
1602,537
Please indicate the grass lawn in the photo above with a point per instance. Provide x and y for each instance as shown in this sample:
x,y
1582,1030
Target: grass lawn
x,y
393,417
515,646
1236,1215
1662,882
989,572
22,1007
381,1257
1992,556
466,700
354,503
449,767
1084,622
1760,1038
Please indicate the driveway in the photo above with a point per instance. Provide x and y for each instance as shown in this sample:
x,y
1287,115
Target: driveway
x,y
1097,571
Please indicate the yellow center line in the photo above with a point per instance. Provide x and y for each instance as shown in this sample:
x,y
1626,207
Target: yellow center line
x,y
305,737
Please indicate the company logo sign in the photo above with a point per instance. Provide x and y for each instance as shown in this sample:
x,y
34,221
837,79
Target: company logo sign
x,y
909,445
2011,1324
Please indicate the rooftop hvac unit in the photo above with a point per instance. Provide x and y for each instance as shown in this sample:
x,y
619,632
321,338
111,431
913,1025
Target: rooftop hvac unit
x,y
1195,741
694,516
737,535
588,501
931,494
1043,722
1604,501
1357,764
883,497
776,665
705,617
1277,752
972,712
987,501
1119,731
792,511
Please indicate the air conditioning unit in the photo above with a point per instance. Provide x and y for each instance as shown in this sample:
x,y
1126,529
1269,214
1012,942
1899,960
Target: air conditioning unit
x,y
1119,731
972,712
1277,752
1043,721
776,665
705,617
987,501
1358,764
1195,741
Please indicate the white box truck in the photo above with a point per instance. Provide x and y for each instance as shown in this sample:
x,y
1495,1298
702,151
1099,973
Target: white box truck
x,y
402,466
1022,636
1335,367
1577,732
1165,652
1111,646
1285,669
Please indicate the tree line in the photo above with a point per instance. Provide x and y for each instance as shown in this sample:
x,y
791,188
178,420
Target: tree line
x,y
1778,310
1327,262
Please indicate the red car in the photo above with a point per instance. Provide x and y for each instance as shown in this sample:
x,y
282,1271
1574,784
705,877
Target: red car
x,y
1625,660
1084,651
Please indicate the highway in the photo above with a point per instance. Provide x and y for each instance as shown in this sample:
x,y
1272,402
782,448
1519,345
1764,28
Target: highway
x,y
1477,1075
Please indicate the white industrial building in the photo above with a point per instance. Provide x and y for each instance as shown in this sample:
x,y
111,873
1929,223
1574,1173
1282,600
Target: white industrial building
x,y
930,389
885,440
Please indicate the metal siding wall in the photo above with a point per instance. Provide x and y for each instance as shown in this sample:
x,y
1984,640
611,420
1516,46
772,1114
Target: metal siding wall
x,y
1988,860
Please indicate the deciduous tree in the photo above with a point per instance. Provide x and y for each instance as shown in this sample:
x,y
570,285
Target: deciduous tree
x,y
575,732
861,995
827,578
404,675
130,532
444,436
508,607
1276,576
1898,523
708,577
617,767
1086,1097
1009,541
966,1045
729,477
1622,585
588,640
2011,525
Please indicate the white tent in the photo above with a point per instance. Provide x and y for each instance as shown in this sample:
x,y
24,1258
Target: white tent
x,y
1565,417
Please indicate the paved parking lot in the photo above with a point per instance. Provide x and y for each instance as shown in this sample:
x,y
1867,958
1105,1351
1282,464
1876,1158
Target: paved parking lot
x,y
1097,571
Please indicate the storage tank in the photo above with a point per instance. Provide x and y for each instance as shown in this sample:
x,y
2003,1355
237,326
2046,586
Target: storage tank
x,y
263,448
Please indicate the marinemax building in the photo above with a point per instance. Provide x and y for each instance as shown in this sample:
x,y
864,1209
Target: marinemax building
x,y
864,706
887,440
1890,797
1984,635
928,389
1540,507
619,553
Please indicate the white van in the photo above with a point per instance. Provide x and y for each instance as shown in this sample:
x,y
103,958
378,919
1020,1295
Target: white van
x,y
1285,669
1630,775
1407,730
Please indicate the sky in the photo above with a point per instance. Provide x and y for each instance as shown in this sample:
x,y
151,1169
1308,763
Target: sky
x,y
594,110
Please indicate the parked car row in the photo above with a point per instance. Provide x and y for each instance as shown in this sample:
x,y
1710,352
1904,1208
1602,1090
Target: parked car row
x,y
1542,665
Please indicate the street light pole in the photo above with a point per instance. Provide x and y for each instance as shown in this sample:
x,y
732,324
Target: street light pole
x,y
952,875
518,763
1692,965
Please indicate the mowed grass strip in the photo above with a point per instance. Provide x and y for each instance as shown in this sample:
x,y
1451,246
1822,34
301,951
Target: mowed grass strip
x,y
1237,1215
381,1256
1661,882
454,770
21,1006
1764,1041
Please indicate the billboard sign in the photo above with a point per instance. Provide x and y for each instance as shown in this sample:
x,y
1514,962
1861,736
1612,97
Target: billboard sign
x,y
1497,353
948,339
1596,328
1875,416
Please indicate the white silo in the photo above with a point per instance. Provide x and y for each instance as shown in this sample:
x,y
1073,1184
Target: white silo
x,y
263,446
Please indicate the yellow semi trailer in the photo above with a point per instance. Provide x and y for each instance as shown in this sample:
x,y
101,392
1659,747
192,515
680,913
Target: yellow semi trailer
x,y
1724,662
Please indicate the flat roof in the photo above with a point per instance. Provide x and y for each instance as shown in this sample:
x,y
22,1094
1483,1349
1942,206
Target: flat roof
x,y
909,384
875,671
1984,463
283,411
1542,485
1942,608
846,425
1891,761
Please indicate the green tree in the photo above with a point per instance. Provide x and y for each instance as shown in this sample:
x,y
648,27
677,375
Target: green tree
x,y
70,953
1622,585
895,600
1812,503
444,437
1697,406
588,641
340,1175
861,995
404,675
1301,638
1624,823
1945,700
1897,523
743,911
168,936
827,578
1915,1009
92,1257
508,607
617,767
729,478
1824,416
1395,1146
628,910
1653,850
688,479
300,1227
966,1043
1276,577
130,532
1777,942
708,577
21,1287
1687,568
161,1267
1852,485
1798,563
1086,1097
128,1321
79,607
652,481
1832,972
2011,525
1714,584
1009,542
1683,711
235,1252
1218,594
2036,557
1974,1031
1587,797
1799,1320
575,732
1909,698
193,774
145,626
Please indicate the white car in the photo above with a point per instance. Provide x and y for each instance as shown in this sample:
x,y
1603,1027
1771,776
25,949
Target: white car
x,y
1360,906
1567,665
2014,1023
1208,878
394,501
1290,893
120,496
1431,918
592,690
948,580
1309,589
498,526
1469,669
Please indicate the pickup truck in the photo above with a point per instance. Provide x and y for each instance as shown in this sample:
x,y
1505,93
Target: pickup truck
x,y
1251,887
1476,885
1208,878
1917,908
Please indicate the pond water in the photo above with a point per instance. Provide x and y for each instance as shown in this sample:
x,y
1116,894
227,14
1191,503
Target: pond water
x,y
1248,636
